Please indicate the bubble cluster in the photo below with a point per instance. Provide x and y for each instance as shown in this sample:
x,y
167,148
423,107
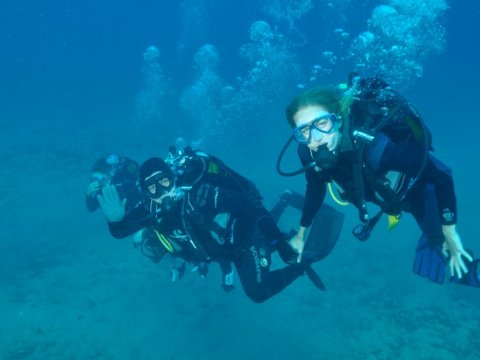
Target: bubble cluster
x,y
194,18
207,58
401,35
287,10
148,102
261,31
201,100
272,61
274,69
397,39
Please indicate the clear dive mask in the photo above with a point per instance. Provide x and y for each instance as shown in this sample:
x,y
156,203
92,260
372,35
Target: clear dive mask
x,y
158,185
161,189
324,124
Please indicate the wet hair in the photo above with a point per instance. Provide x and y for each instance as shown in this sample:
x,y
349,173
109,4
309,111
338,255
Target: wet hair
x,y
101,166
334,100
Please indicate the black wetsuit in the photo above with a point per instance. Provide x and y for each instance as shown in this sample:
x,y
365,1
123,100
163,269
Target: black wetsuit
x,y
219,218
124,176
431,200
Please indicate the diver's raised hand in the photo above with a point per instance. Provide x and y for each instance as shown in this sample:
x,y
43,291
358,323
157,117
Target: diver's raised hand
x,y
112,206
93,188
297,243
453,247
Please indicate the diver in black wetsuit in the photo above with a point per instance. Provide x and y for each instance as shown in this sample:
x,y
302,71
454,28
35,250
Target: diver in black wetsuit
x,y
119,171
355,138
203,211
122,172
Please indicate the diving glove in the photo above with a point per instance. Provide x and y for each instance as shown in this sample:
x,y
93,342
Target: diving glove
x,y
286,251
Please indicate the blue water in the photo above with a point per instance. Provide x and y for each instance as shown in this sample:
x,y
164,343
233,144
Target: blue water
x,y
79,80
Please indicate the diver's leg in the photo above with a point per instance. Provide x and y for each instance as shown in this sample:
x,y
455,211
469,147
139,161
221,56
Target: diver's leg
x,y
429,259
253,268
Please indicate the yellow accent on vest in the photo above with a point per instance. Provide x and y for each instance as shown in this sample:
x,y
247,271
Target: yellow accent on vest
x,y
212,168
393,221
164,241
334,197
416,128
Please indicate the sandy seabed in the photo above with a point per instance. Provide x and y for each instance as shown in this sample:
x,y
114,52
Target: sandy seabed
x,y
70,291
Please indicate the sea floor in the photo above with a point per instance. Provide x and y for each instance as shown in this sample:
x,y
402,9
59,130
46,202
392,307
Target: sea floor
x,y
70,291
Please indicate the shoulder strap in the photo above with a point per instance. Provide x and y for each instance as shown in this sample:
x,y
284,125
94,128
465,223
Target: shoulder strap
x,y
200,254
358,178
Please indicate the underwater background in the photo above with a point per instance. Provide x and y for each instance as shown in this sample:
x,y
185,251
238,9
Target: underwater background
x,y
80,80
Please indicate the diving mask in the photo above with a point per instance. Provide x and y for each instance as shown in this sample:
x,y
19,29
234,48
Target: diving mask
x,y
162,190
158,185
324,124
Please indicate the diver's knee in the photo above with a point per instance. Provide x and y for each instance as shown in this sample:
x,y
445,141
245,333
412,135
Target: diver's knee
x,y
256,297
257,293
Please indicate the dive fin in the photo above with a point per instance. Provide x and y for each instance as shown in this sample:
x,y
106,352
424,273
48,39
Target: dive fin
x,y
287,198
324,233
429,262
315,278
472,278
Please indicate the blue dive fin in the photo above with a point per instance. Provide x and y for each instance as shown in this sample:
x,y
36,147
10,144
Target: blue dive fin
x,y
430,262
472,278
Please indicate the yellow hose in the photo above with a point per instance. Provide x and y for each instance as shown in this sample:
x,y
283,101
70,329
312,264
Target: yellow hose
x,y
164,241
334,197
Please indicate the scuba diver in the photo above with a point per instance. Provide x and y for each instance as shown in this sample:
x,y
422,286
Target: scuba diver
x,y
119,171
372,144
203,211
122,173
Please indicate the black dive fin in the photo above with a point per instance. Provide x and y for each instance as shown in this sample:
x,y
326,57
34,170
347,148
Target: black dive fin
x,y
324,233
287,198
472,278
314,278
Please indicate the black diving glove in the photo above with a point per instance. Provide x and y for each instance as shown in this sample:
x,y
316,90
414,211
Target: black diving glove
x,y
285,250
